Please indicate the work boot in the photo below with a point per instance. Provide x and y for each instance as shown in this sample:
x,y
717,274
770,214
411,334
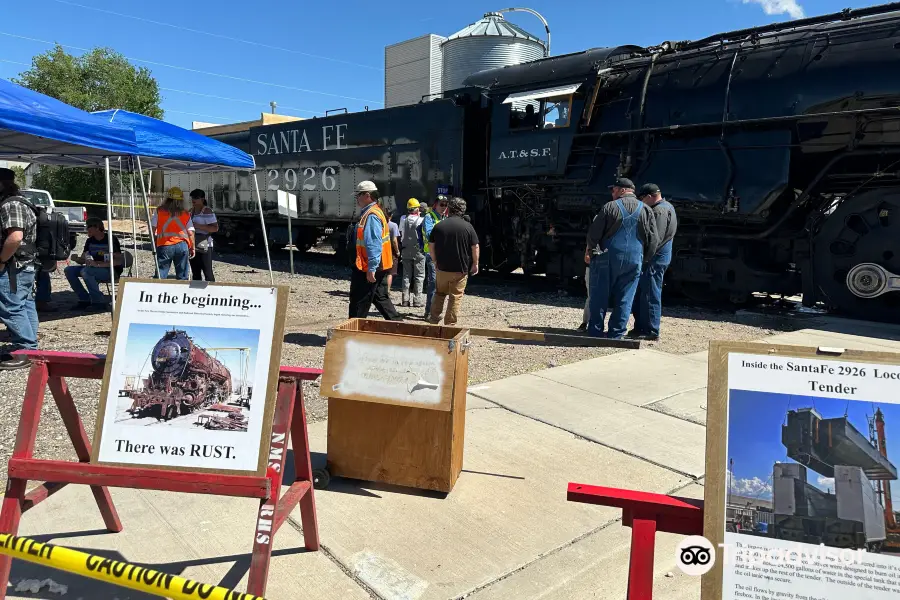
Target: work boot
x,y
11,363
582,327
44,307
81,305
635,335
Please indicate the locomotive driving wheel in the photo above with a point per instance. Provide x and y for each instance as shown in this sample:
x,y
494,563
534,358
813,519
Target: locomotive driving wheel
x,y
856,257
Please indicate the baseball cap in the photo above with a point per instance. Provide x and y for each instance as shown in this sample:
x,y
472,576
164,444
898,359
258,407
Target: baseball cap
x,y
7,175
175,193
365,186
413,203
648,189
623,182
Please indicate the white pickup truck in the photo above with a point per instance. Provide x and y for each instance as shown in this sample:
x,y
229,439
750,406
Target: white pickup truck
x,y
75,215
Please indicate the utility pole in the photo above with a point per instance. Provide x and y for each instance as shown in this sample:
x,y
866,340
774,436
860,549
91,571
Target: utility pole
x,y
273,104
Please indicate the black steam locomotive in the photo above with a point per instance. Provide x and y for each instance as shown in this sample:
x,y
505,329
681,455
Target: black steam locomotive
x,y
185,377
779,147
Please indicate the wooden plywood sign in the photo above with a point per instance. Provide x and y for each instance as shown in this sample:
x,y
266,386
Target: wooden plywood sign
x,y
390,369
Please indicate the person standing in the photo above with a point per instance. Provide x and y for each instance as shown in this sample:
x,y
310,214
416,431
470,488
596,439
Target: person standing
x,y
455,253
205,224
93,267
174,234
432,218
412,254
18,255
374,258
619,237
649,293
395,249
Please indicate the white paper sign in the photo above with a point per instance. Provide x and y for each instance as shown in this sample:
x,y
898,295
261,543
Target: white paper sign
x,y
810,473
287,204
399,373
189,376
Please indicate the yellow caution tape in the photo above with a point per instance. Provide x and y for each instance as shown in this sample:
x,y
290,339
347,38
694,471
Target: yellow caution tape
x,y
115,572
137,205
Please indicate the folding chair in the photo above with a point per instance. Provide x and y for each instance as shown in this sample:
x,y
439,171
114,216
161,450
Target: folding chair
x,y
126,270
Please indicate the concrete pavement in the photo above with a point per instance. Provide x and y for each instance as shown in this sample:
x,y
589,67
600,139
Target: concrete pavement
x,y
504,532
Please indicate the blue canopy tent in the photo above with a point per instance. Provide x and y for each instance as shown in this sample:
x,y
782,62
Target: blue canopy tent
x,y
163,146
40,129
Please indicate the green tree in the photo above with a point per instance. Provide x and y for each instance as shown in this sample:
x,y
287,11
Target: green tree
x,y
97,80
20,175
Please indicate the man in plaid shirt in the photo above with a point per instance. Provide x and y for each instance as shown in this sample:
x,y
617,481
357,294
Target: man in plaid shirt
x,y
18,234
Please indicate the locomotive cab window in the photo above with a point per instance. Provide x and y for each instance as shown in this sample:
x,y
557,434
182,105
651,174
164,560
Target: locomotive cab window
x,y
541,109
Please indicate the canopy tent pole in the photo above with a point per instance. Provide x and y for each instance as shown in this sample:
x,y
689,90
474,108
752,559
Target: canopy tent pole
x,y
262,220
134,264
150,230
109,236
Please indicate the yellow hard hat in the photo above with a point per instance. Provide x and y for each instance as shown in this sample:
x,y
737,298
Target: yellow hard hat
x,y
175,193
413,203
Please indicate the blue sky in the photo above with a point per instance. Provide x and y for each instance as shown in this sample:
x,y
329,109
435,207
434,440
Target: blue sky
x,y
332,48
142,337
754,436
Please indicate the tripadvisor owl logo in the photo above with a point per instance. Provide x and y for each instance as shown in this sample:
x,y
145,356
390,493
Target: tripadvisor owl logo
x,y
695,555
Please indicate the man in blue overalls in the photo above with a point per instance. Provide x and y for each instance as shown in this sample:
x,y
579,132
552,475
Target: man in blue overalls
x,y
619,237
649,295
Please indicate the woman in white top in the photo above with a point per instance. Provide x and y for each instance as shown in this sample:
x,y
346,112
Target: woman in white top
x,y
205,223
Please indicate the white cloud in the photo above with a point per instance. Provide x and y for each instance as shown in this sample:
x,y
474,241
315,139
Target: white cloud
x,y
826,483
751,488
780,7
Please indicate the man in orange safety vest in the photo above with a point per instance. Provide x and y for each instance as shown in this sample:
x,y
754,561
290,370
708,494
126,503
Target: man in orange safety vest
x,y
374,259
173,231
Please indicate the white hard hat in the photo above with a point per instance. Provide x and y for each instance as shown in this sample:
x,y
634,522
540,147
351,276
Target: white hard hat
x,y
365,186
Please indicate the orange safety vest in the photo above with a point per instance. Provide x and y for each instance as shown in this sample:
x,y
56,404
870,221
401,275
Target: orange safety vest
x,y
362,257
171,230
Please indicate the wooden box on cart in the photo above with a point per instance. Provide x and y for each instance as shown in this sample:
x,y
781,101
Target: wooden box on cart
x,y
396,402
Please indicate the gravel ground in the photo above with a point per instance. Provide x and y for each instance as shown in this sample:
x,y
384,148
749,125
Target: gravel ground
x,y
320,290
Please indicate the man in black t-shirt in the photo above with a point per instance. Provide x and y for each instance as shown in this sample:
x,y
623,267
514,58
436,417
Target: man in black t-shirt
x,y
453,245
93,267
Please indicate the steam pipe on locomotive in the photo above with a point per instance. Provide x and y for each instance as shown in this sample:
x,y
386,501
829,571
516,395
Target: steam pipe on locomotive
x,y
184,378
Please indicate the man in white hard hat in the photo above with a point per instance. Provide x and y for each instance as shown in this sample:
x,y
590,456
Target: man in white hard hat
x,y
374,258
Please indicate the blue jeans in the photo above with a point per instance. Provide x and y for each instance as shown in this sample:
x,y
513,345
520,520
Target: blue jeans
x,y
649,300
430,283
44,288
613,286
176,255
93,277
17,309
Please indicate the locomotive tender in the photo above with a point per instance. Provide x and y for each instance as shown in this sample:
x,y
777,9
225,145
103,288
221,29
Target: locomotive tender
x,y
185,377
779,147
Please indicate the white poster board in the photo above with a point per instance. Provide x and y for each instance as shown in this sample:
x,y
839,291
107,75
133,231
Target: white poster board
x,y
805,467
191,376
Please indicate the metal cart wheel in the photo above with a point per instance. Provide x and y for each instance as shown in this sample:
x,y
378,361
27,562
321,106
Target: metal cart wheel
x,y
321,478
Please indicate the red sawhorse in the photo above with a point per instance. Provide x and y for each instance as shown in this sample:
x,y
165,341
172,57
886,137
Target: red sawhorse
x,y
52,368
646,514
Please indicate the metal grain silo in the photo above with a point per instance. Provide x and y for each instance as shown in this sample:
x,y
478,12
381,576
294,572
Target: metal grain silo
x,y
486,44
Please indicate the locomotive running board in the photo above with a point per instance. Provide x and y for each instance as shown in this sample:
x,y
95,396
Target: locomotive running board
x,y
555,339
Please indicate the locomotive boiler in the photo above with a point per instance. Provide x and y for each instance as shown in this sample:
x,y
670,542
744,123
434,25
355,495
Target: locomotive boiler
x,y
184,377
779,147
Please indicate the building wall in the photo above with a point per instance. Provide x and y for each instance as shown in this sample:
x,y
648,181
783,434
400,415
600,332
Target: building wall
x,y
412,69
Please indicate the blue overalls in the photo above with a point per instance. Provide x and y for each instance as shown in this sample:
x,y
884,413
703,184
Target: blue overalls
x,y
614,276
649,304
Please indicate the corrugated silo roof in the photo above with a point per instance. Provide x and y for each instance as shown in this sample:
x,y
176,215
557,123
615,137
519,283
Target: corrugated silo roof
x,y
494,24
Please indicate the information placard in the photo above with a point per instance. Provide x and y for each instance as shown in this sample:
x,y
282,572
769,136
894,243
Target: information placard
x,y
802,473
191,376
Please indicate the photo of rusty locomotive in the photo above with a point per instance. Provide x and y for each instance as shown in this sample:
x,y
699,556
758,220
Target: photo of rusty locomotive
x,y
184,378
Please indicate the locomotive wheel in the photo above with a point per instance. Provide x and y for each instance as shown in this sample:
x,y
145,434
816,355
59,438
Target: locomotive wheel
x,y
855,253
